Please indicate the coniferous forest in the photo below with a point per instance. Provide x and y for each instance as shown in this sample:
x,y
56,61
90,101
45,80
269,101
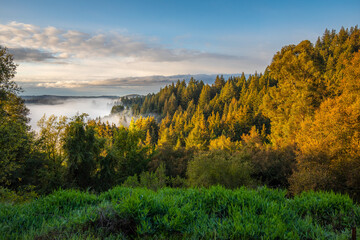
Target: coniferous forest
x,y
272,155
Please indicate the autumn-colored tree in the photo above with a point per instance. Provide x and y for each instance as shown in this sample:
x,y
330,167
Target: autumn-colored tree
x,y
205,96
219,83
298,93
224,143
228,92
329,149
150,129
198,137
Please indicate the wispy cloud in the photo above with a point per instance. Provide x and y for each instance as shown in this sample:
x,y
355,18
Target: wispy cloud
x,y
31,55
33,43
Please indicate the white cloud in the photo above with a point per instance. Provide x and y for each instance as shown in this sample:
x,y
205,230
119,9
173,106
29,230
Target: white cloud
x,y
83,45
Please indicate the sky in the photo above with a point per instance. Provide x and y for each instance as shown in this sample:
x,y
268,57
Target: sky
x,y
125,47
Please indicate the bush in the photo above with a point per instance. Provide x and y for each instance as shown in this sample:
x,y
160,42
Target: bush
x,y
272,166
231,170
150,180
24,194
175,160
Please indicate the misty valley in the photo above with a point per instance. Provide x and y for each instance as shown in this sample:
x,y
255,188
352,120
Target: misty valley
x,y
96,108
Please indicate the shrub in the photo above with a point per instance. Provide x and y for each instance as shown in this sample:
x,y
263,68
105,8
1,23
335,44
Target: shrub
x,y
24,194
150,180
230,170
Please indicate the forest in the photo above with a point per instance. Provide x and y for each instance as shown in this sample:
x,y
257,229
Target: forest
x,y
295,128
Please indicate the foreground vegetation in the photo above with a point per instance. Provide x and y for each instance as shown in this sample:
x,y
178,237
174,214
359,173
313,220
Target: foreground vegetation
x,y
214,213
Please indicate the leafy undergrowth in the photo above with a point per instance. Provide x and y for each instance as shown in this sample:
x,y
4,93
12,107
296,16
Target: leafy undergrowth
x,y
215,213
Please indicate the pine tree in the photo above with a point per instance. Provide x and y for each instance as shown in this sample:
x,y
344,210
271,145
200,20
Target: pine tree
x,y
219,83
198,137
205,96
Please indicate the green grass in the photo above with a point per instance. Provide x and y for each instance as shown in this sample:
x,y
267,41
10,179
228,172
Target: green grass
x,y
215,213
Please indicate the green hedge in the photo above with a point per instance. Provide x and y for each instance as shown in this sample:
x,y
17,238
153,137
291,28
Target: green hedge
x,y
214,213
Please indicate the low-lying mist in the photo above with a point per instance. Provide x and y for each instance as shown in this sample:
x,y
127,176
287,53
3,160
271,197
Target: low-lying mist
x,y
94,107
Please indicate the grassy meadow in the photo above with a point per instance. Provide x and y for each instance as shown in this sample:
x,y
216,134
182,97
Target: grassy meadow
x,y
169,213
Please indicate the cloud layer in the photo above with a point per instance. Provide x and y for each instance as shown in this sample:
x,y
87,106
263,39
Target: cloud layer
x,y
30,42
31,55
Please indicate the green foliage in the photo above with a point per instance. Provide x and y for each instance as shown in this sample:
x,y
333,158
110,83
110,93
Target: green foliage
x,y
83,149
49,143
15,141
130,156
8,70
15,145
328,209
127,213
150,180
129,102
272,166
174,160
220,167
24,194
117,109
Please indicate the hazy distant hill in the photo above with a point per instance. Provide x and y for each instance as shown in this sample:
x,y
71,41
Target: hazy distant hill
x,y
131,96
54,99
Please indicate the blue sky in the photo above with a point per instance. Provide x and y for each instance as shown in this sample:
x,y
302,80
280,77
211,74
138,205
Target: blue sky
x,y
88,47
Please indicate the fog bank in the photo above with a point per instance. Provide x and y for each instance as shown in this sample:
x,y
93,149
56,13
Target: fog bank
x,y
94,107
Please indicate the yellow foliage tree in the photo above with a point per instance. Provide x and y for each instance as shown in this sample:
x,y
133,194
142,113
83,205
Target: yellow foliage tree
x,y
329,143
224,143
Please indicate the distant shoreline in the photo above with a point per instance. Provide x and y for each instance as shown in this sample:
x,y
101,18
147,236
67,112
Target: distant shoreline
x,y
65,97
